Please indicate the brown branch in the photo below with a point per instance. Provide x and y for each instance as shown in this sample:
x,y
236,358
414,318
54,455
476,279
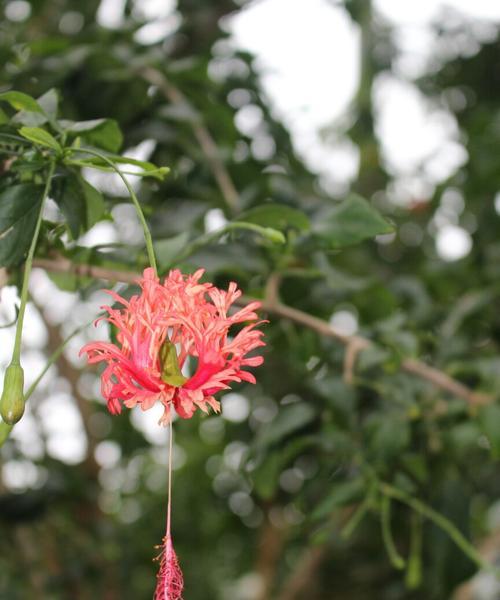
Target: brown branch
x,y
60,264
71,374
270,548
4,277
410,365
444,381
305,572
201,133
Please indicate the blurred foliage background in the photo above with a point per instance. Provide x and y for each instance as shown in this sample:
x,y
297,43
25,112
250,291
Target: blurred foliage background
x,y
287,494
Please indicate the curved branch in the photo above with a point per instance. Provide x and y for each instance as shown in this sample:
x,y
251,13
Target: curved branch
x,y
202,135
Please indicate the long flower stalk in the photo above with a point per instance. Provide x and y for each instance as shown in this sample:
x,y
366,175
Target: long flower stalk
x,y
140,215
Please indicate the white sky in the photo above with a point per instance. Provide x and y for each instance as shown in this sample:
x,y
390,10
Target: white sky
x,y
308,54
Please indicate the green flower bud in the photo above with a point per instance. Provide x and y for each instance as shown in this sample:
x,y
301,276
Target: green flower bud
x,y
12,400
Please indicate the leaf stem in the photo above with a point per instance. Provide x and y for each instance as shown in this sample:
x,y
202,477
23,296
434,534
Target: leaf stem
x,y
16,353
413,577
133,197
442,522
359,514
396,559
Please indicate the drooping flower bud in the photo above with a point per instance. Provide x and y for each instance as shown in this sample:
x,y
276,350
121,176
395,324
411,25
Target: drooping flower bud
x,y
12,400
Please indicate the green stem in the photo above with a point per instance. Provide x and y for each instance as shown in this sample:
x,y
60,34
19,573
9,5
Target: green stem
x,y
360,513
133,197
16,353
396,559
413,577
442,522
91,165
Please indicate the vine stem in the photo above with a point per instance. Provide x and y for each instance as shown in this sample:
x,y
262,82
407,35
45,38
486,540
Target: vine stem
x,y
396,559
442,522
16,352
133,197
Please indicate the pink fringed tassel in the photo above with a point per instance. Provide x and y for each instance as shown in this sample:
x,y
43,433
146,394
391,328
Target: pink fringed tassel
x,y
170,581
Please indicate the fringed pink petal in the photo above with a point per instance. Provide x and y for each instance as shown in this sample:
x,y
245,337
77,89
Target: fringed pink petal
x,y
197,318
170,581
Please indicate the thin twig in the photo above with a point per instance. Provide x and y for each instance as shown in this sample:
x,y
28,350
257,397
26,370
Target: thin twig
x,y
63,265
201,133
410,365
354,347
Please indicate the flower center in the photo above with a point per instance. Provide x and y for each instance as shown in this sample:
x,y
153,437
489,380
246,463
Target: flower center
x,y
169,365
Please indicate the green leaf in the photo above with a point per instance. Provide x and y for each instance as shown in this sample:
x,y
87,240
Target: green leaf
x,y
49,103
168,249
388,435
41,137
95,209
277,216
270,464
343,493
102,133
489,421
266,477
273,235
147,169
69,196
80,203
21,101
19,207
289,419
351,222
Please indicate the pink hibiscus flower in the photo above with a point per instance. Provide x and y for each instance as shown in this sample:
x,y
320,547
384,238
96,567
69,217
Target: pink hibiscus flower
x,y
169,328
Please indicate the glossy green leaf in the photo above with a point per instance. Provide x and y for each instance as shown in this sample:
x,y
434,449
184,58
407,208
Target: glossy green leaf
x,y
95,209
49,103
350,222
146,168
102,133
69,196
41,137
277,216
21,101
81,204
19,206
